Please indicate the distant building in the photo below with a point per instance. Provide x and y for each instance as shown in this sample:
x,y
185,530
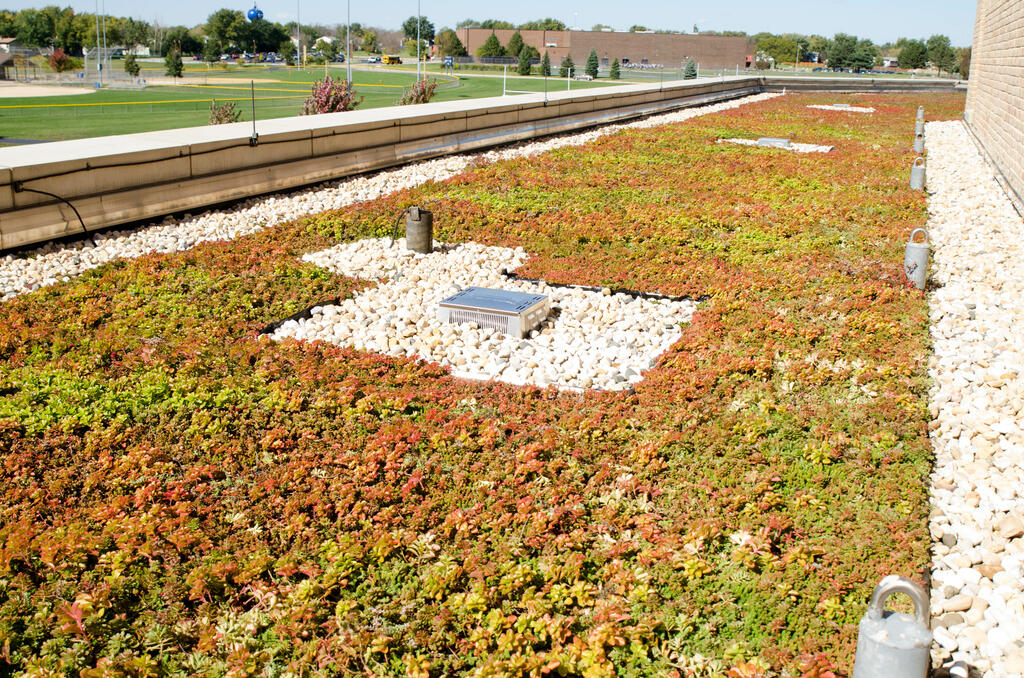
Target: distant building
x,y
670,50
7,46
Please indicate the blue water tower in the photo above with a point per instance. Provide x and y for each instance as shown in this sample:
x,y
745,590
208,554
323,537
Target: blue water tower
x,y
255,13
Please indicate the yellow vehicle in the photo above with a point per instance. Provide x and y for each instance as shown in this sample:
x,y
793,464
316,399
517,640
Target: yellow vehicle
x,y
391,59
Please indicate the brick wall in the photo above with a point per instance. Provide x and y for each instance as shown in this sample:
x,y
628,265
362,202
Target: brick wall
x,y
995,97
669,50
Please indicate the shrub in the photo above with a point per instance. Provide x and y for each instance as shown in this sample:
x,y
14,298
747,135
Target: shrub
x,y
545,65
615,72
691,70
420,93
131,66
60,62
330,96
592,64
223,113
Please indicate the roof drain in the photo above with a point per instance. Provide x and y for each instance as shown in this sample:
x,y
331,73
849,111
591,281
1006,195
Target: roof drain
x,y
19,187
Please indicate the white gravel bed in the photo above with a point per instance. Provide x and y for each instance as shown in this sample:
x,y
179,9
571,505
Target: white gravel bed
x,y
53,263
977,405
592,339
794,147
847,109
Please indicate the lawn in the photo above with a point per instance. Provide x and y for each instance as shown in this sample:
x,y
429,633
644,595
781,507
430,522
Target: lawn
x,y
184,497
279,92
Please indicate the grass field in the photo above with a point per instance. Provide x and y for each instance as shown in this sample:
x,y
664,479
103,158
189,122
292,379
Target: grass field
x,y
182,497
279,93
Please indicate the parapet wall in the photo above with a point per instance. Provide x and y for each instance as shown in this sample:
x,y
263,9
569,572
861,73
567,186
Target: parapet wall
x,y
995,97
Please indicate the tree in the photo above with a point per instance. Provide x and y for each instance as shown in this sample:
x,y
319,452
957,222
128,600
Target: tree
x,y
178,38
690,73
914,54
136,33
592,64
941,53
615,73
515,45
546,24
545,65
496,25
841,53
259,36
172,63
59,61
637,28
778,48
965,63
864,55
566,67
600,27
131,66
448,43
288,52
211,52
222,27
370,42
426,29
329,48
524,62
34,28
819,45
491,47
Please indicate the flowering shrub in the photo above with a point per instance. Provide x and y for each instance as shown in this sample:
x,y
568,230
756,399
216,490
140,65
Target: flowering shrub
x,y
330,96
184,497
221,114
420,92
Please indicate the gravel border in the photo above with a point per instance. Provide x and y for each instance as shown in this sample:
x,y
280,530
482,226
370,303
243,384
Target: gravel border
x,y
977,405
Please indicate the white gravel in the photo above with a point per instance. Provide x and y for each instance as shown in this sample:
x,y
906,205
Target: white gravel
x,y
592,339
53,263
846,109
977,405
793,146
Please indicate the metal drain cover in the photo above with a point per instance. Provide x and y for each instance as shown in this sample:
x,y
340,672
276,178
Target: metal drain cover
x,y
773,142
512,313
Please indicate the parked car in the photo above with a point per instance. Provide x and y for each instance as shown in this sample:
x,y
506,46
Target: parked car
x,y
372,60
340,59
582,76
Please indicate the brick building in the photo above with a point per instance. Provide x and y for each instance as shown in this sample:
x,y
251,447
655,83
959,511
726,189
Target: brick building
x,y
995,97
669,50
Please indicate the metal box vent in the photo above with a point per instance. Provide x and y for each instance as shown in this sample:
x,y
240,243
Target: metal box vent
x,y
512,313
773,142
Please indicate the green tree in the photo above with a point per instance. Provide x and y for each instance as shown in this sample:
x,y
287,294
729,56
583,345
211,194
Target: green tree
x,y
223,26
136,33
496,25
426,29
34,28
941,54
515,45
545,65
615,73
288,52
592,64
172,63
524,67
211,52
566,67
259,36
820,45
864,55
600,27
131,66
491,47
779,48
841,53
914,54
179,38
329,48
690,73
370,43
546,24
637,28
965,62
448,43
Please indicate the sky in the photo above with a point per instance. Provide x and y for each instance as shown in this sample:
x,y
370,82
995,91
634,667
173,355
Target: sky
x,y
880,20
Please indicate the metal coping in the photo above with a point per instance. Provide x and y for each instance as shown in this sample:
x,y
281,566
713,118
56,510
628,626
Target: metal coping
x,y
504,302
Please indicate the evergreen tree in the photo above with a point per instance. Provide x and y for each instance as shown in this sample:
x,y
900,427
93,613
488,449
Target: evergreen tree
x,y
524,62
691,70
566,67
545,66
173,64
515,45
131,66
914,54
491,48
615,74
592,64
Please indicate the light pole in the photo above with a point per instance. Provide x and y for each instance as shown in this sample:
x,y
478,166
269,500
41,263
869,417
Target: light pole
x,y
419,20
298,33
348,40
797,57
99,61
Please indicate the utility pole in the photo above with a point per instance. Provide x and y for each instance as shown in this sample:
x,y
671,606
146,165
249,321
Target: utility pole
x,y
298,33
99,62
797,57
419,20
348,40
104,53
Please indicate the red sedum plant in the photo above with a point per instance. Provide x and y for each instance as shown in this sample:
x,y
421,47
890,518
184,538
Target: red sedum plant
x,y
330,96
183,497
